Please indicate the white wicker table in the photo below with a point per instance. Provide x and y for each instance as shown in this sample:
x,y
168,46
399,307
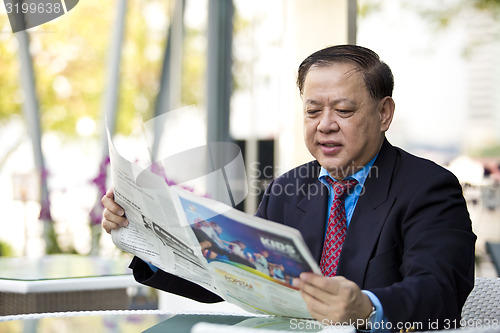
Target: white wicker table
x,y
63,283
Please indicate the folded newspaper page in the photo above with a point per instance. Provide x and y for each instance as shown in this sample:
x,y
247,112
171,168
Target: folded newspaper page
x,y
246,260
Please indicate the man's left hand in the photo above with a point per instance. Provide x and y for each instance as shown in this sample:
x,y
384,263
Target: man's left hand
x,y
333,299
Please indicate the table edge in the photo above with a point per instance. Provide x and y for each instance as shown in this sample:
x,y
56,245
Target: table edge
x,y
69,284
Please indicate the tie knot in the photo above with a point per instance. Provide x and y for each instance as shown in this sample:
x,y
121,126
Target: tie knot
x,y
342,187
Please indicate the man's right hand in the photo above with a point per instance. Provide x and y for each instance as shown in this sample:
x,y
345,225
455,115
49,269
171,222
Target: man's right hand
x,y
113,216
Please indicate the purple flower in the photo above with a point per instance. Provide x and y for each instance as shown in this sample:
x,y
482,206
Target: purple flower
x,y
45,202
100,179
45,210
96,214
100,182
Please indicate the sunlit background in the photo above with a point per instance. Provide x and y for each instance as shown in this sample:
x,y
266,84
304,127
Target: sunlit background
x,y
444,55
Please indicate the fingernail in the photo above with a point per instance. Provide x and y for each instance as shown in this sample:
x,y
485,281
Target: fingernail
x,y
121,212
125,223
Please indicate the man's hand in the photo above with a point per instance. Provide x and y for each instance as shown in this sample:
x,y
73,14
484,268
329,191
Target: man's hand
x,y
113,216
334,299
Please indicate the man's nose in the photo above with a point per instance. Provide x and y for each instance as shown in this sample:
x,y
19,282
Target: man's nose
x,y
328,122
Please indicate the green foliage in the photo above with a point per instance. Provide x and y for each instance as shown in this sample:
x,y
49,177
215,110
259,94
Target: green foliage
x,y
10,94
488,5
5,249
70,58
194,66
51,243
365,8
443,13
67,58
140,69
490,151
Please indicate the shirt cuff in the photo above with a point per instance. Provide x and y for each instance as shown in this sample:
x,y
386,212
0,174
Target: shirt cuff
x,y
378,325
151,266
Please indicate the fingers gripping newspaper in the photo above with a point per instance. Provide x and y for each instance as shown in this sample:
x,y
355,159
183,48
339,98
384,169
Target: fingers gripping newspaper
x,y
245,260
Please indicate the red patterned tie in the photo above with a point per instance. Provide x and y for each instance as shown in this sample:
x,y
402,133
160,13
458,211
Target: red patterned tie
x,y
337,226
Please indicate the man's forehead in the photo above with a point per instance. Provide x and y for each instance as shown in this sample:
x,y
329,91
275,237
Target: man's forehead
x,y
341,100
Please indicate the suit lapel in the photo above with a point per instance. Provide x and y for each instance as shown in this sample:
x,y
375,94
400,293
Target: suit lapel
x,y
368,218
309,213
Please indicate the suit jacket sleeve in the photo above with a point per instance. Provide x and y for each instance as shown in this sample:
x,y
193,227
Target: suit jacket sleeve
x,y
437,256
171,283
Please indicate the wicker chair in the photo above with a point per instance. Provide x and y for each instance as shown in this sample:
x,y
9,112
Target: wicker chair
x,y
482,307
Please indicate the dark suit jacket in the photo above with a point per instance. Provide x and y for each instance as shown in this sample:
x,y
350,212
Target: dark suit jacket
x,y
410,240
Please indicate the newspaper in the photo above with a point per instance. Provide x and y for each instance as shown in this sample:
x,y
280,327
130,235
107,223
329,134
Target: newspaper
x,y
246,260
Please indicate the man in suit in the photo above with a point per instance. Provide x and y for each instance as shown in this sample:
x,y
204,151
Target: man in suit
x,y
406,258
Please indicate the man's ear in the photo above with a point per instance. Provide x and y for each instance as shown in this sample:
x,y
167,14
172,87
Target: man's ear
x,y
386,112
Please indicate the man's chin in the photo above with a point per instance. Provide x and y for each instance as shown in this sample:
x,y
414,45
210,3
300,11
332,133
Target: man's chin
x,y
337,170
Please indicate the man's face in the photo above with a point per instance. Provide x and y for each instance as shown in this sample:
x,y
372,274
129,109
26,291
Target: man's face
x,y
343,126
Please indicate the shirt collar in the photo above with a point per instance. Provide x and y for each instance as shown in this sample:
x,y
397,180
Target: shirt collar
x,y
359,175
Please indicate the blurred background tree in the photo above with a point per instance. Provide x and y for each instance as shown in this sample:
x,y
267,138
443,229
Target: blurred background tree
x,y
69,58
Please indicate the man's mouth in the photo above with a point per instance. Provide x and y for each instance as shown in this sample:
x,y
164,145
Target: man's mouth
x,y
330,144
330,148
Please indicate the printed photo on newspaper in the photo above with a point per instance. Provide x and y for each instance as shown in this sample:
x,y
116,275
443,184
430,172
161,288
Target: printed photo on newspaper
x,y
253,261
274,252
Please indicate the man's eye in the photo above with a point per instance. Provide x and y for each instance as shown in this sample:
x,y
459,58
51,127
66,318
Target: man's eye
x,y
312,111
344,112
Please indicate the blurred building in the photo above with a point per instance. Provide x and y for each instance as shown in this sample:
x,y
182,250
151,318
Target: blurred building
x,y
483,81
266,104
